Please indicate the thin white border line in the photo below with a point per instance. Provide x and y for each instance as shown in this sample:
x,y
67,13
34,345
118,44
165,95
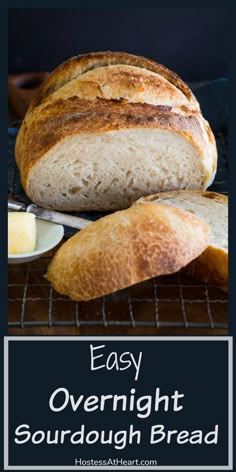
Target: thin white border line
x,y
230,402
118,338
143,467
6,405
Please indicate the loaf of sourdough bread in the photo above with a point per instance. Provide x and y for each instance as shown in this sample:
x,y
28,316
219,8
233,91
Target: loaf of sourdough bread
x,y
212,265
107,128
125,248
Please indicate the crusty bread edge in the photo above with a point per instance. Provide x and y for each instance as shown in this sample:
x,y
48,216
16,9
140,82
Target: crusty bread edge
x,y
205,193
212,265
80,64
147,262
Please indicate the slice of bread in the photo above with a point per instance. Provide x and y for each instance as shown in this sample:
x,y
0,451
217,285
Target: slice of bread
x,y
212,265
126,248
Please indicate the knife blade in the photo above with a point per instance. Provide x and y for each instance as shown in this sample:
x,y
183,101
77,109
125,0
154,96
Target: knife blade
x,y
50,215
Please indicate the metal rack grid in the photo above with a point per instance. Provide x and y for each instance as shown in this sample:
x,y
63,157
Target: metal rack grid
x,y
170,301
173,301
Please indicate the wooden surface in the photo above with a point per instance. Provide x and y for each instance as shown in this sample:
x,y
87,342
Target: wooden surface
x,y
174,299
114,332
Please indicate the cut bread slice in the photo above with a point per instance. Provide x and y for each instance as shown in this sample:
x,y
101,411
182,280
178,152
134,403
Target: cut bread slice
x,y
126,248
212,265
105,154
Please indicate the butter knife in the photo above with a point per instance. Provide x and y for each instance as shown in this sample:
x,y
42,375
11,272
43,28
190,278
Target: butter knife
x,y
50,215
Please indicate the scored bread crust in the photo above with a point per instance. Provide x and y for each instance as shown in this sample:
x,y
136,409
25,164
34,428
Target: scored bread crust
x,y
95,94
79,65
212,265
126,248
75,116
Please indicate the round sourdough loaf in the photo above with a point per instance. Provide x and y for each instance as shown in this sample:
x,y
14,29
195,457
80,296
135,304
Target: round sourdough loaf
x,y
125,248
107,128
212,265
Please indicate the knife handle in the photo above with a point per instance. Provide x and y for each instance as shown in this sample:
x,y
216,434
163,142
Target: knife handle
x,y
16,206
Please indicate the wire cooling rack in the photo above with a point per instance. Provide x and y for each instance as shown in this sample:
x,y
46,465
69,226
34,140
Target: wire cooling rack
x,y
173,301
170,301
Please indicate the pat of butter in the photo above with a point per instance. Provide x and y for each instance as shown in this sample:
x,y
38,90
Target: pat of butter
x,y
21,232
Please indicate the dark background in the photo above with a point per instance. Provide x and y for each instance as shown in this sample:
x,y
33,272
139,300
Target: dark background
x,y
196,368
191,41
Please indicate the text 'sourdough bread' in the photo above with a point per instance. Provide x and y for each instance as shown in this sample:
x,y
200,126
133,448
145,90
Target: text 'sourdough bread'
x,y
126,248
107,128
212,265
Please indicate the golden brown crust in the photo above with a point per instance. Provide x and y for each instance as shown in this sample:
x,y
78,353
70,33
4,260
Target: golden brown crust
x,y
126,248
122,82
79,65
77,116
102,92
212,265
